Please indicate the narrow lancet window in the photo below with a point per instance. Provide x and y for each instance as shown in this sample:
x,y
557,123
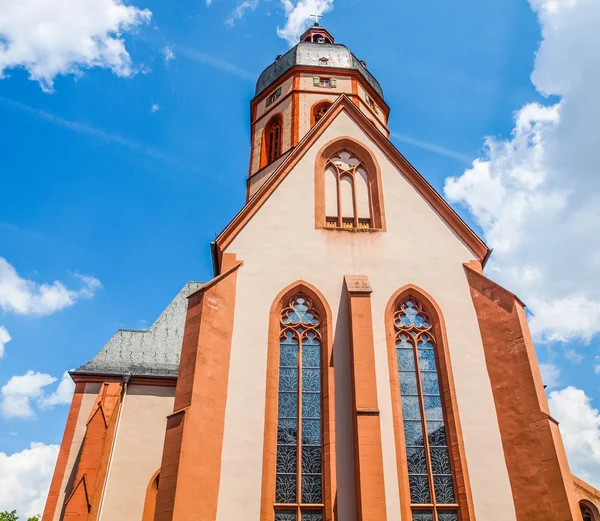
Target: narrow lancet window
x,y
299,481
430,473
273,139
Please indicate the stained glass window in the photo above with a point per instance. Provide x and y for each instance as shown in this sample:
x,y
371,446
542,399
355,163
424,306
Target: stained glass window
x,y
299,481
429,469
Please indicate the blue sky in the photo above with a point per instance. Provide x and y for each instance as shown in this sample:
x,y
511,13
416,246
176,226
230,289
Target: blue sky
x,y
127,178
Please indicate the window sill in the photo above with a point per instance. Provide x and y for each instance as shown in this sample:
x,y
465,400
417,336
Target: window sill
x,y
338,229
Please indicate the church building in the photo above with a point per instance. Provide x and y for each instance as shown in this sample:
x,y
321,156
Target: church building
x,y
349,361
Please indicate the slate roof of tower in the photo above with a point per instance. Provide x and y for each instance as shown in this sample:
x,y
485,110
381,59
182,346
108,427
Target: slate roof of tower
x,y
306,53
154,352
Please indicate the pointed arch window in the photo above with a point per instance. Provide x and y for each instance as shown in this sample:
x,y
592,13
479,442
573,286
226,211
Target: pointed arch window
x,y
430,469
299,472
347,192
319,111
273,139
586,512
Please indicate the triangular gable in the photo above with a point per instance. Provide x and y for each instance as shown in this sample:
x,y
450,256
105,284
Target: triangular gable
x,y
417,181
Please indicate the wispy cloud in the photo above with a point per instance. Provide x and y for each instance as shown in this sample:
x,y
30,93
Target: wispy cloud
x,y
240,10
431,147
96,133
168,54
216,63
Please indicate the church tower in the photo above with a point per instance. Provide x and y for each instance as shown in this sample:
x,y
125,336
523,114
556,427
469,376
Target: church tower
x,y
349,361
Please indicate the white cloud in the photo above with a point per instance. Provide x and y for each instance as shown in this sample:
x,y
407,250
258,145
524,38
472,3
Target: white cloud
x,y
18,393
155,107
5,338
61,396
168,54
26,297
536,195
299,14
58,37
25,478
550,375
580,429
240,10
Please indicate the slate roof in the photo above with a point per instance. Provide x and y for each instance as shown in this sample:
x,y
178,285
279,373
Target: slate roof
x,y
154,352
306,53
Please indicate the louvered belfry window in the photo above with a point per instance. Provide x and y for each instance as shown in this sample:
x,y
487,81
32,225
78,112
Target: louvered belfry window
x,y
299,481
430,475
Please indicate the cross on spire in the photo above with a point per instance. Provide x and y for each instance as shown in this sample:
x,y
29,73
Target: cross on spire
x,y
317,16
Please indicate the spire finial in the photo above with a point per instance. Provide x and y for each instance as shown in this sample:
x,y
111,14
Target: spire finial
x,y
317,16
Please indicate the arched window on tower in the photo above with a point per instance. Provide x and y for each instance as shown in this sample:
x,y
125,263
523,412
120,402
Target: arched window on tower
x,y
347,185
586,512
298,481
272,140
430,469
319,111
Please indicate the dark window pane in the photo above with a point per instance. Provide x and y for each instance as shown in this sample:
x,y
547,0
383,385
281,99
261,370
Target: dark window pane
x,y
437,434
311,432
410,408
311,405
311,355
448,515
413,433
440,461
417,464
311,380
285,488
286,459
406,359
287,432
312,515
427,360
312,490
433,408
408,384
429,382
288,405
288,379
311,460
285,515
419,490
444,491
422,515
